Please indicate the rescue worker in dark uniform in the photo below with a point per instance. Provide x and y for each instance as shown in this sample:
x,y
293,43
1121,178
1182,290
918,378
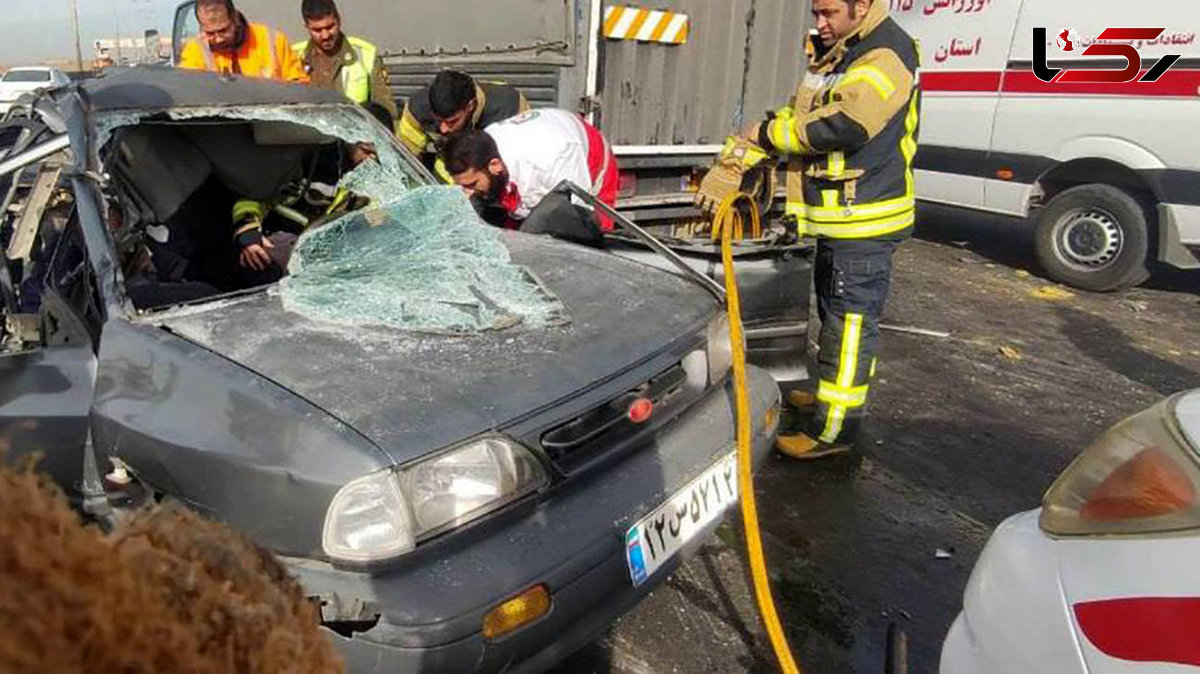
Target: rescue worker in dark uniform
x,y
265,231
849,136
454,102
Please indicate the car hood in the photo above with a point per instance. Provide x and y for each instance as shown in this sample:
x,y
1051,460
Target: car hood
x,y
411,393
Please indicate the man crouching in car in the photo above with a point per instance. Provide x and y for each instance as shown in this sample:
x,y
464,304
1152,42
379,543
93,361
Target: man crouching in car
x,y
511,168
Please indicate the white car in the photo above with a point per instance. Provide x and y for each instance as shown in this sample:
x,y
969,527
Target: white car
x,y
1104,577
18,81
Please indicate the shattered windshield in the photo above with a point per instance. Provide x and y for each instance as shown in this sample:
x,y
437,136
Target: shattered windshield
x,y
405,254
422,261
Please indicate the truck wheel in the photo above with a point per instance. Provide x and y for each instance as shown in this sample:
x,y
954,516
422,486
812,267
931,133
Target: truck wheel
x,y
1094,237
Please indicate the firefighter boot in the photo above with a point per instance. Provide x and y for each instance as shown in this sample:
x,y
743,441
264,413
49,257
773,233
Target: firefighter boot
x,y
804,447
802,400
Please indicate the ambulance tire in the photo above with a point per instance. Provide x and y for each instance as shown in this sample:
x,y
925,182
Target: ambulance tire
x,y
1095,237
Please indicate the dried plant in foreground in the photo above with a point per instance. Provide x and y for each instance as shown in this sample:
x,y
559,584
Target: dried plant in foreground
x,y
167,592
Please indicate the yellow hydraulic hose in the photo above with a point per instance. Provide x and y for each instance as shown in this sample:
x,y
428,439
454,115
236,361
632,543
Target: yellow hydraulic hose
x,y
728,224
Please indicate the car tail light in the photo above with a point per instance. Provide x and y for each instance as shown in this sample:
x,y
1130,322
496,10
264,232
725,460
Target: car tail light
x,y
1140,477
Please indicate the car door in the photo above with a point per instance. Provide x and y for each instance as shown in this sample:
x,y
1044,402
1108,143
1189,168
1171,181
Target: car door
x,y
185,27
51,310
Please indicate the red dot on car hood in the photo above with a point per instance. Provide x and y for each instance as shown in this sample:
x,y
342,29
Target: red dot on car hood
x,y
641,410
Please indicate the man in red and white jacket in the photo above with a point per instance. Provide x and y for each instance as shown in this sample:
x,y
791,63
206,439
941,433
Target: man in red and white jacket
x,y
512,166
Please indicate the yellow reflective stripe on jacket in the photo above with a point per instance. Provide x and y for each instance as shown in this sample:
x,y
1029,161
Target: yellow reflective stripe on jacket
x,y
847,370
339,197
908,144
248,208
857,212
837,165
784,135
440,170
412,134
873,76
848,228
859,230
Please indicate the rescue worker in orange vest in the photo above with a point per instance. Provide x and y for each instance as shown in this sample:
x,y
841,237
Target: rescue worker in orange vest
x,y
849,135
231,45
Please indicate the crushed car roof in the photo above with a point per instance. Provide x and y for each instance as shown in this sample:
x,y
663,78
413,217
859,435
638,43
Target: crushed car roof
x,y
142,88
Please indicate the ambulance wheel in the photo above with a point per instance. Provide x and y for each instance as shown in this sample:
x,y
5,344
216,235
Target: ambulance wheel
x,y
1094,237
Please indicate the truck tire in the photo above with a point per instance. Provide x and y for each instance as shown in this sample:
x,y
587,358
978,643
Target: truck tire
x,y
1094,237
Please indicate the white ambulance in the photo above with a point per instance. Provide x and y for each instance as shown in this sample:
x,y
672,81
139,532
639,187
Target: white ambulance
x,y
1109,172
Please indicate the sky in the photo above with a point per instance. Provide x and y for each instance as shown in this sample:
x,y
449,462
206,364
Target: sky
x,y
37,30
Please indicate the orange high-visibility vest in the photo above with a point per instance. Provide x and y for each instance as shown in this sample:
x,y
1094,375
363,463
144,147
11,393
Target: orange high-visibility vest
x,y
265,53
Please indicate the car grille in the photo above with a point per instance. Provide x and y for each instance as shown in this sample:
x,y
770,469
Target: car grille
x,y
606,430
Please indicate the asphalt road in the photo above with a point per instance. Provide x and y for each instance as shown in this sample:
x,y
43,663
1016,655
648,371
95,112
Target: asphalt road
x,y
964,431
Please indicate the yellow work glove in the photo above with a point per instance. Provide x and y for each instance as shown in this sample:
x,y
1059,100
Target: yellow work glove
x,y
725,177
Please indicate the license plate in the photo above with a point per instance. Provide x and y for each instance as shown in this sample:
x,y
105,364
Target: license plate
x,y
658,537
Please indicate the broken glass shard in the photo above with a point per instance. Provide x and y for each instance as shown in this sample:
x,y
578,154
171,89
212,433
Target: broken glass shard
x,y
422,261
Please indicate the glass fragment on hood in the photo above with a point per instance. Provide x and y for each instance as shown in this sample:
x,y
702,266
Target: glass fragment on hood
x,y
422,261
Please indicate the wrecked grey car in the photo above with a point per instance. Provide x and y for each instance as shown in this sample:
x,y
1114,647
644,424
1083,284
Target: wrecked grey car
x,y
474,448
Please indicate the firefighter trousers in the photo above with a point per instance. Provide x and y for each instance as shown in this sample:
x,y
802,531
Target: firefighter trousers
x,y
852,278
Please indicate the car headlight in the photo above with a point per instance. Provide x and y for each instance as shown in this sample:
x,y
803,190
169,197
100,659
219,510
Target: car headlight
x,y
385,514
1139,477
720,349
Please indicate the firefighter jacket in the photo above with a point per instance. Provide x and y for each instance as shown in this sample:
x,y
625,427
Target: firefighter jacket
x,y
494,102
264,52
850,134
356,72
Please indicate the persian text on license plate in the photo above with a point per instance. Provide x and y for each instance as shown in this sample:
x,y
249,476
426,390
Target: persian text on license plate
x,y
658,537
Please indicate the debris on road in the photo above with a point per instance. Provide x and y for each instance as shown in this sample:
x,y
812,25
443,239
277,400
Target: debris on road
x,y
1135,306
1053,293
910,330
941,553
1010,353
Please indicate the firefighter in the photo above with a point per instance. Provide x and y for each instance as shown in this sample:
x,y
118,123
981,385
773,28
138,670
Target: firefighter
x,y
229,44
265,231
334,60
453,103
849,135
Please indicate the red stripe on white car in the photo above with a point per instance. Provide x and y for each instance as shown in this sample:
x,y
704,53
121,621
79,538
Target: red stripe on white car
x,y
1144,629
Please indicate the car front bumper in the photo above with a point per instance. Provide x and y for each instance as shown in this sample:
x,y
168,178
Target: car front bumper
x,y
1015,617
431,607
